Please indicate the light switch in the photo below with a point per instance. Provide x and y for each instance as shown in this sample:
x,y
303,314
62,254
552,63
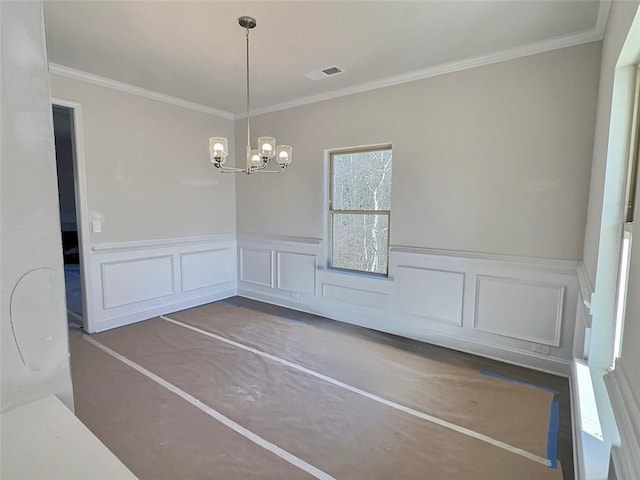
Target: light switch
x,y
96,226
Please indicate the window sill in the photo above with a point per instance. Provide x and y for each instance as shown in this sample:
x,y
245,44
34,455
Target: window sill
x,y
355,274
593,419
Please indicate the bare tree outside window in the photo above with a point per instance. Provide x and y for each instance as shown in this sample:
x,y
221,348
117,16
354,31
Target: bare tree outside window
x,y
359,209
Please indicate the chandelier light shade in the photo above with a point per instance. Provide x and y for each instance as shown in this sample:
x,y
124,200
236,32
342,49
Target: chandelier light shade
x,y
219,150
283,155
257,159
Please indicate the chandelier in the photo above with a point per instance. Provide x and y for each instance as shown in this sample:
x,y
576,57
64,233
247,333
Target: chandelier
x,y
258,159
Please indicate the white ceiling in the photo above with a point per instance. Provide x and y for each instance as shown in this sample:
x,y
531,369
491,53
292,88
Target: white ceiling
x,y
195,50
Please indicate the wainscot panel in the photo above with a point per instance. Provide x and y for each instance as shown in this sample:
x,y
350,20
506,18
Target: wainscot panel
x,y
133,281
355,296
206,268
519,310
430,294
256,266
296,272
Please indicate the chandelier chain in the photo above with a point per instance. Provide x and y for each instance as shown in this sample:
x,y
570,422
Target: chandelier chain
x,y
248,100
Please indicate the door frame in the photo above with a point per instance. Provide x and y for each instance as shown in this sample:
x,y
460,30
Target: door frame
x,y
82,210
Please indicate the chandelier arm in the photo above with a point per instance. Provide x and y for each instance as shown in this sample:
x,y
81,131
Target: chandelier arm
x,y
268,171
261,167
223,169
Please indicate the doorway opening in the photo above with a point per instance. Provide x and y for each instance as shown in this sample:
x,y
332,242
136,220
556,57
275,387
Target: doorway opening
x,y
64,134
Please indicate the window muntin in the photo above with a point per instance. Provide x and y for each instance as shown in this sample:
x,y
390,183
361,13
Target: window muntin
x,y
359,210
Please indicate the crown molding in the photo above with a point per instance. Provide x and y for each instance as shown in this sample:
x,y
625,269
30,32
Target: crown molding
x,y
593,35
132,89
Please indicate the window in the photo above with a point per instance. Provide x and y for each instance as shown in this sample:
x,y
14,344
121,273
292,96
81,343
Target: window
x,y
627,227
359,209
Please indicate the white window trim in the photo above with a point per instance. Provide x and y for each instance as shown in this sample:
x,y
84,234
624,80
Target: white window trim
x,y
326,214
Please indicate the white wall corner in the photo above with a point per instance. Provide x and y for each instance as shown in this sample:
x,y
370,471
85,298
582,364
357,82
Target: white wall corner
x,y
582,328
586,289
626,409
603,17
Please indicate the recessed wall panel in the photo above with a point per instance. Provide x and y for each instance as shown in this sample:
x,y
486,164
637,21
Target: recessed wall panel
x,y
130,281
431,294
206,268
519,309
256,266
354,296
297,272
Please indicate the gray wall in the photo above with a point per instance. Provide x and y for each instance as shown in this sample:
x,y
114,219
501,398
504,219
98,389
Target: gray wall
x,y
148,173
492,159
35,352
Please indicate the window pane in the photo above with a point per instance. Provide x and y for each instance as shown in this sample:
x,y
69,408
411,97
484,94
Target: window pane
x,y
360,242
623,279
361,180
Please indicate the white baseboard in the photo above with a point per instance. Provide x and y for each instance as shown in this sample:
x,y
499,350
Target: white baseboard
x,y
369,318
129,318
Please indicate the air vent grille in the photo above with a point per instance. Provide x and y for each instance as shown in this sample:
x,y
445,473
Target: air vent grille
x,y
324,73
332,70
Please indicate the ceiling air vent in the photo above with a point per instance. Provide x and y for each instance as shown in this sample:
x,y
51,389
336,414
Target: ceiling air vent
x,y
324,73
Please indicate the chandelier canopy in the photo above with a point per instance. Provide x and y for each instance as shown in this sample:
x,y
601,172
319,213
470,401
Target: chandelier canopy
x,y
257,159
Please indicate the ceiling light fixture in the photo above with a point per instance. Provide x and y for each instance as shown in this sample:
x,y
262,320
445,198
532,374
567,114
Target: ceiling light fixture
x,y
257,160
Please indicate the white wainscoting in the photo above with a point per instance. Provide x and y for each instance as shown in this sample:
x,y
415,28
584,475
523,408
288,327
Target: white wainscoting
x,y
582,333
133,281
508,308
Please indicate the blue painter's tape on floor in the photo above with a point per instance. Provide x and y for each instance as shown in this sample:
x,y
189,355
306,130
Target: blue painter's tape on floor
x,y
552,436
489,373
